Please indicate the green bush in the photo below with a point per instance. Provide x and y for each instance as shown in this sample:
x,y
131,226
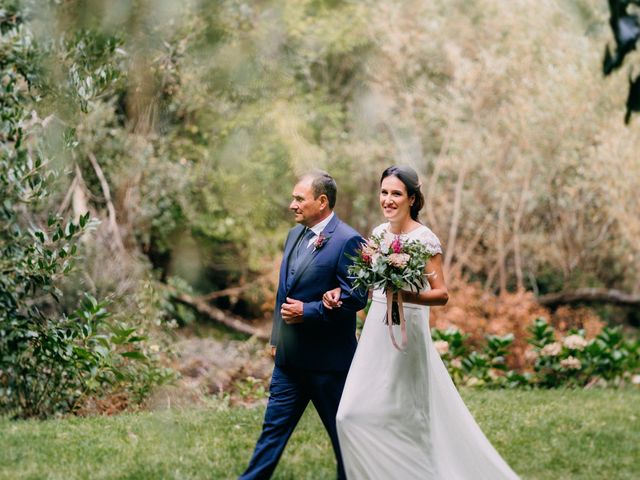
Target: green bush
x,y
452,348
608,359
50,360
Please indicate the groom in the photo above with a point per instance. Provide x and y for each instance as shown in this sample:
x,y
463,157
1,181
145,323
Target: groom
x,y
313,346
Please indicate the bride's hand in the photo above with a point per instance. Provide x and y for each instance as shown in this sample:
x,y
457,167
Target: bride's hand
x,y
331,299
408,296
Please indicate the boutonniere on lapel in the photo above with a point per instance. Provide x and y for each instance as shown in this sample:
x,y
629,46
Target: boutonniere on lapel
x,y
319,242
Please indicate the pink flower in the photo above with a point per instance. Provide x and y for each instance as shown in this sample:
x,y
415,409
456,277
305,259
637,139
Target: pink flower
x,y
456,363
530,354
399,259
368,251
571,363
551,349
396,245
371,247
575,342
319,242
442,347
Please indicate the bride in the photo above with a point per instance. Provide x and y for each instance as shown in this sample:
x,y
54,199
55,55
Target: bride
x,y
400,416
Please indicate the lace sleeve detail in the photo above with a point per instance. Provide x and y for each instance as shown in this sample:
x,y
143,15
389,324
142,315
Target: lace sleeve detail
x,y
379,229
431,241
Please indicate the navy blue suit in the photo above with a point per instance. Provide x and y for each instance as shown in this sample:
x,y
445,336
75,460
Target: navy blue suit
x,y
312,357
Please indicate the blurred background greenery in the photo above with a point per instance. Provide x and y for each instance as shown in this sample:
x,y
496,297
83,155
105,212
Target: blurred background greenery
x,y
180,127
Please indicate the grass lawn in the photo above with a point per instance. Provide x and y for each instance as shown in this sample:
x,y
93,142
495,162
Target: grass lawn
x,y
563,434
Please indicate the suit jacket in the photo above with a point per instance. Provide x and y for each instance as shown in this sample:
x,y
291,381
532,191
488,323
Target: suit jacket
x,y
326,340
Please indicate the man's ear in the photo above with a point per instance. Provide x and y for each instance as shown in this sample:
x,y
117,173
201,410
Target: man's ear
x,y
324,201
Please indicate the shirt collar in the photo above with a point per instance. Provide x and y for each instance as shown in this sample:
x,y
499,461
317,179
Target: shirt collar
x,y
318,227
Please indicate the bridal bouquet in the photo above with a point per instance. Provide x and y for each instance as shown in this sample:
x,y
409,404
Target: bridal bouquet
x,y
391,266
395,265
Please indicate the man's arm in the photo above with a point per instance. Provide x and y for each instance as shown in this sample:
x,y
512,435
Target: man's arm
x,y
352,299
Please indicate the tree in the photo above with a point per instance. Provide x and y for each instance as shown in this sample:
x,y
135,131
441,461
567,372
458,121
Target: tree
x,y
49,359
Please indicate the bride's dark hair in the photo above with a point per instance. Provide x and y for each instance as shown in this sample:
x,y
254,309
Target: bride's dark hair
x,y
409,177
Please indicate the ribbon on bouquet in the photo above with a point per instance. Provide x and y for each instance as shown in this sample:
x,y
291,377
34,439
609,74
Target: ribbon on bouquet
x,y
403,323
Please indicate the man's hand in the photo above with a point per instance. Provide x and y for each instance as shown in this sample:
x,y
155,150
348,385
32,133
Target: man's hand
x,y
331,299
292,311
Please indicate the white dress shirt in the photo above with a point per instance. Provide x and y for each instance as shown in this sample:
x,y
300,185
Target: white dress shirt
x,y
318,227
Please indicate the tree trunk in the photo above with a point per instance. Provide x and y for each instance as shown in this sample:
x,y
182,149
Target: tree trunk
x,y
226,319
502,253
590,295
455,219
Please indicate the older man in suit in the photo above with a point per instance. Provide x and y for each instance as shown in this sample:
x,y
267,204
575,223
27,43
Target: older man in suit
x,y
313,346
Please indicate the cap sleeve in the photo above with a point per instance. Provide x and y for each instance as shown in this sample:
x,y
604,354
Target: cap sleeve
x,y
379,229
431,241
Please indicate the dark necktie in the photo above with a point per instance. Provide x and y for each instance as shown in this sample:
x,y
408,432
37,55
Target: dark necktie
x,y
303,245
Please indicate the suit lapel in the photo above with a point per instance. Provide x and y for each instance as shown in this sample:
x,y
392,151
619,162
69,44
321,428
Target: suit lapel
x,y
327,231
295,237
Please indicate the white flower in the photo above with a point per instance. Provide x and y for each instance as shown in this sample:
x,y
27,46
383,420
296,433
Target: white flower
x,y
551,349
635,379
399,259
456,363
571,362
442,346
575,342
473,382
173,323
154,348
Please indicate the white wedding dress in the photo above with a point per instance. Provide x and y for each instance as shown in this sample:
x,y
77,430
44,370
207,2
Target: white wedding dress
x,y
400,416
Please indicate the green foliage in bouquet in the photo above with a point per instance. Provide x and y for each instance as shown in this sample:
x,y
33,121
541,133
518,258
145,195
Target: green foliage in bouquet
x,y
384,265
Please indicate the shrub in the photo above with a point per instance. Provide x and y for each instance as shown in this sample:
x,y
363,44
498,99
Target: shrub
x,y
50,360
574,360
480,313
552,360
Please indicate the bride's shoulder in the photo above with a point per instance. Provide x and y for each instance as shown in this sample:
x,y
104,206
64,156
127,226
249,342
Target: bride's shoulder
x,y
430,239
380,229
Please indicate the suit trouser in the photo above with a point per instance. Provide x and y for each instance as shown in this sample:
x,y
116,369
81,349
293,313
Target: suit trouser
x,y
290,393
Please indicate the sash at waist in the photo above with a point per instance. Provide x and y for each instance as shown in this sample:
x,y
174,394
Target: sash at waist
x,y
379,298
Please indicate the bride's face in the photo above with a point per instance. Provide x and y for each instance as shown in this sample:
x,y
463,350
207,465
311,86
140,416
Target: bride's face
x,y
394,199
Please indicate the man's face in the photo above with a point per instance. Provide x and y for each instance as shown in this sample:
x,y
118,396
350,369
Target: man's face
x,y
308,210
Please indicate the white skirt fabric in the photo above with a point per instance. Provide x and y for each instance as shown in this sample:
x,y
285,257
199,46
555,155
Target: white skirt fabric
x,y
401,416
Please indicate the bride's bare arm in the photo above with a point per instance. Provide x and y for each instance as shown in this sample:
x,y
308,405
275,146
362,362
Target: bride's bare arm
x,y
438,295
